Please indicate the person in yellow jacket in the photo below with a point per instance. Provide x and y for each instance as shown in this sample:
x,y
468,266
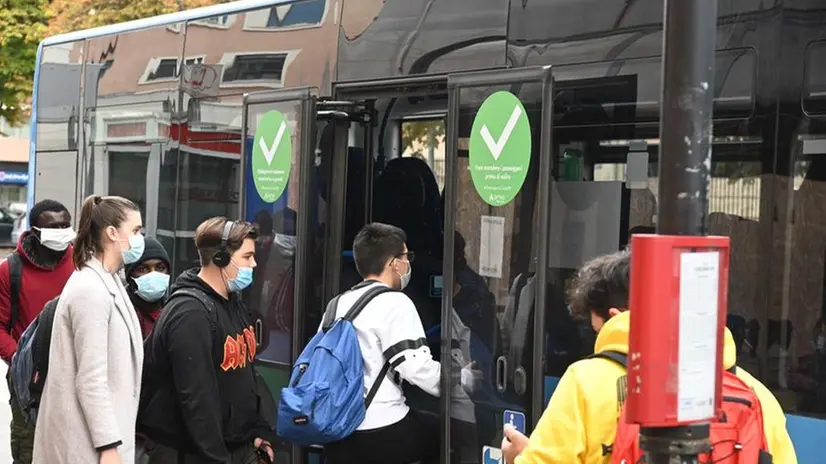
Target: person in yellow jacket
x,y
580,421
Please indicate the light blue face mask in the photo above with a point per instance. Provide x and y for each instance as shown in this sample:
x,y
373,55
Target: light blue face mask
x,y
152,287
242,280
135,251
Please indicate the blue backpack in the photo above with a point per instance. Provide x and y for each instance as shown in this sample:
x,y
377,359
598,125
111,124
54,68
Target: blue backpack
x,y
324,401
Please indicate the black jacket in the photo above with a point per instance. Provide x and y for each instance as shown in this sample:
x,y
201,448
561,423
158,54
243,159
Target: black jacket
x,y
199,390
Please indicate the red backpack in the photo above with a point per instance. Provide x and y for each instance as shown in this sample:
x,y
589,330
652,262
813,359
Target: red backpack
x,y
737,436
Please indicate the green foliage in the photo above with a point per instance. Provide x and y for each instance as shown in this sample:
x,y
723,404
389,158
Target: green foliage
x,y
22,25
72,15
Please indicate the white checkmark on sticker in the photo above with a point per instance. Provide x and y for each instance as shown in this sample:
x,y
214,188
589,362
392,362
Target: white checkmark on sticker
x,y
497,146
269,152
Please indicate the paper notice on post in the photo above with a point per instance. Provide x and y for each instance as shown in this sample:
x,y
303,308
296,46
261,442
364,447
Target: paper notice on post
x,y
699,287
492,246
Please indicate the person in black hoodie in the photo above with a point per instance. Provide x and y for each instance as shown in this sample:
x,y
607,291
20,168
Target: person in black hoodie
x,y
148,281
199,402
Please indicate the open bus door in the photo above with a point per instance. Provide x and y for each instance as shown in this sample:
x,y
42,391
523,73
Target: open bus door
x,y
295,159
497,211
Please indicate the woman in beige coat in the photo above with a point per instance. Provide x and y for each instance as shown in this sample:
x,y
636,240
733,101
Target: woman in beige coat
x,y
90,398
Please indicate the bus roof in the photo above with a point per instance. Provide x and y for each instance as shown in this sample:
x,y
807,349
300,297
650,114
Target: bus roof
x,y
163,20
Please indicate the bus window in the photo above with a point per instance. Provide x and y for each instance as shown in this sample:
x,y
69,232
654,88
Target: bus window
x,y
594,211
130,95
425,140
794,333
58,97
53,170
814,86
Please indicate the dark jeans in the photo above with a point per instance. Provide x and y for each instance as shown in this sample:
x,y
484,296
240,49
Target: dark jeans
x,y
414,438
159,454
22,434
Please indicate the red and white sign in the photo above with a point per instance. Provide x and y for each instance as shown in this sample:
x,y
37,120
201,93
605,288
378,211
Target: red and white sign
x,y
201,80
679,292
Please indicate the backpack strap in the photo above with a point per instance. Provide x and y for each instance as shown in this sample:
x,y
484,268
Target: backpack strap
x,y
355,310
330,314
376,384
15,279
350,316
332,307
362,302
203,298
616,356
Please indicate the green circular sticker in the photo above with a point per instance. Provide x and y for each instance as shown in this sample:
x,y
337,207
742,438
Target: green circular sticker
x,y
272,151
500,148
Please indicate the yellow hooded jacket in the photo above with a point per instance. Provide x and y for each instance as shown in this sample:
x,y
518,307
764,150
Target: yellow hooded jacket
x,y
583,412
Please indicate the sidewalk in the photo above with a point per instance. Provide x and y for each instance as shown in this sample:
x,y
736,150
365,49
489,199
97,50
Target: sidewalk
x,y
5,417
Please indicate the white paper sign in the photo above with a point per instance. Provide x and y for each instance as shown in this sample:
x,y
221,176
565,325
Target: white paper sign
x,y
699,287
492,246
636,170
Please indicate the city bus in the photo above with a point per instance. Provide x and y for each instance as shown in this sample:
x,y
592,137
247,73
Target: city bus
x,y
371,110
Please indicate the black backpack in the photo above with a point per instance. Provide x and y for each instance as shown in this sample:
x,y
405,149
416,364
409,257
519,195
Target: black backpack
x,y
30,364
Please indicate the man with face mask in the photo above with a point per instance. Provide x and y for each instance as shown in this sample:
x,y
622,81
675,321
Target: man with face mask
x,y
199,401
31,276
147,281
389,331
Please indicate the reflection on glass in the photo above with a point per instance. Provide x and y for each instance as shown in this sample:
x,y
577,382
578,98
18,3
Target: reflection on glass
x,y
54,171
814,96
272,294
494,293
127,174
425,140
58,97
130,103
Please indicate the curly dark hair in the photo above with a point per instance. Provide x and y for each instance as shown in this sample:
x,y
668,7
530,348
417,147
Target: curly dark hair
x,y
601,284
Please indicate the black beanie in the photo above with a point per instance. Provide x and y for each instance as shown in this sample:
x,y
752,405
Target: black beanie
x,y
152,250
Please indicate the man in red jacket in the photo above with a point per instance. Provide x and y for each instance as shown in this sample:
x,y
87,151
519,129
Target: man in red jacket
x,y
43,263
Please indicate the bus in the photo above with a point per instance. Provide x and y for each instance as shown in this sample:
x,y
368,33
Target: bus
x,y
369,110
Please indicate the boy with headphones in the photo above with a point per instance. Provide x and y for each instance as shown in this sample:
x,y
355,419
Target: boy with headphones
x,y
198,400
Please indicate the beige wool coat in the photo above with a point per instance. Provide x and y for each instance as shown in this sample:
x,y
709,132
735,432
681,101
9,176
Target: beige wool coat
x,y
90,398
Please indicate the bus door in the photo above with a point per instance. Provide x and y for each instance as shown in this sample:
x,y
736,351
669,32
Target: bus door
x,y
295,160
495,251
278,131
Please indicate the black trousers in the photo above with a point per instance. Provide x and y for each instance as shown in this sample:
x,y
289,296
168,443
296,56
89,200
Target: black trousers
x,y
159,454
414,438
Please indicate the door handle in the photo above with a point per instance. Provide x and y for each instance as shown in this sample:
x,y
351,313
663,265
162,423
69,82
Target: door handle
x,y
501,374
259,333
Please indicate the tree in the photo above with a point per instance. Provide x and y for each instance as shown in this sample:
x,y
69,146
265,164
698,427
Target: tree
x,y
416,135
72,15
22,25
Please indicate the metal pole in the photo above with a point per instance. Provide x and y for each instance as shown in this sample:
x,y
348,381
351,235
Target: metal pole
x,y
684,170
685,117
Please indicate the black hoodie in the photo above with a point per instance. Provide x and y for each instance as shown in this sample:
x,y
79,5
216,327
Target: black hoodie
x,y
199,388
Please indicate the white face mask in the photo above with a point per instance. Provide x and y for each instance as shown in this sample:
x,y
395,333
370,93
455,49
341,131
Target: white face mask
x,y
56,239
405,278
285,243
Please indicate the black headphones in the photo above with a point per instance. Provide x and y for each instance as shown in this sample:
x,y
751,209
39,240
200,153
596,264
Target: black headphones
x,y
222,257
